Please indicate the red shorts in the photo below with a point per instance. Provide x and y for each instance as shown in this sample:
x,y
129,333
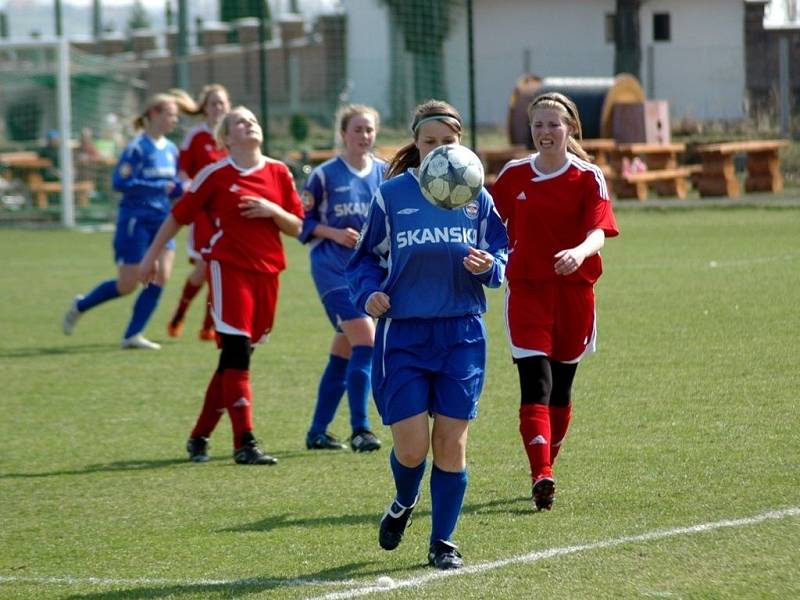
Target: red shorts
x,y
242,302
551,319
200,233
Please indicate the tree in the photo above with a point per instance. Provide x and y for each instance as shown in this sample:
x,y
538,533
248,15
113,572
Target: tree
x,y
425,25
627,39
138,18
230,10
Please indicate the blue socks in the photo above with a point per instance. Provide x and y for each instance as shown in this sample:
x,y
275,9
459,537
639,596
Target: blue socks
x,y
358,386
330,392
447,497
406,480
143,309
104,291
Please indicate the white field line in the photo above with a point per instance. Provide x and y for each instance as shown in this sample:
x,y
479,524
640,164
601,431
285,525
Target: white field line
x,y
386,585
403,583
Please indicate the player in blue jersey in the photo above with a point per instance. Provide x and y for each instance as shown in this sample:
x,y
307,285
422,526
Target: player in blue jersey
x,y
336,199
147,176
421,270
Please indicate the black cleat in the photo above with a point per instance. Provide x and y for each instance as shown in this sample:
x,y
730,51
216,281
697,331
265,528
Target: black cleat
x,y
444,555
364,441
197,447
251,454
324,441
543,493
394,523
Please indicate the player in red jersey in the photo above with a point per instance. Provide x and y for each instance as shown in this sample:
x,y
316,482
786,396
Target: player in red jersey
x,y
558,214
199,149
251,200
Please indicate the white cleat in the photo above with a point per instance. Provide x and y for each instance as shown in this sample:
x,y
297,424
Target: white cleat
x,y
138,341
72,316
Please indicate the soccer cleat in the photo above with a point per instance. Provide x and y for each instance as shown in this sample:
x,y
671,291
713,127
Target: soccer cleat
x,y
324,441
175,328
543,493
364,441
207,335
251,454
444,555
394,523
71,317
138,341
197,447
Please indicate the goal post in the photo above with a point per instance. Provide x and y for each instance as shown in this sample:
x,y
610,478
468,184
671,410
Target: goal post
x,y
65,111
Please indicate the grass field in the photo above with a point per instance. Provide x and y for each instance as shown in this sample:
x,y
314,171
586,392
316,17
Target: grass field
x,y
679,479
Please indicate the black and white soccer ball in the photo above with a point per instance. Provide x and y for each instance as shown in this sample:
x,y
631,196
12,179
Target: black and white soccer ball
x,y
451,176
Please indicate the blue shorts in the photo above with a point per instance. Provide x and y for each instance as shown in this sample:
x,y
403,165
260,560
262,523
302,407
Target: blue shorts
x,y
339,308
133,237
428,365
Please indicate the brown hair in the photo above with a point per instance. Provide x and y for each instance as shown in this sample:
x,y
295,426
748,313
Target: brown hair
x,y
155,103
348,111
570,117
408,155
189,106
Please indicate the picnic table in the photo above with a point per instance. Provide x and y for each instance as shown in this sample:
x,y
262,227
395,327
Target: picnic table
x,y
663,171
718,175
28,166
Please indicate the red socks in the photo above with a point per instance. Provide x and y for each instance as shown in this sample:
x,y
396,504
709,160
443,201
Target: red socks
x,y
208,320
560,417
213,408
187,295
534,427
237,398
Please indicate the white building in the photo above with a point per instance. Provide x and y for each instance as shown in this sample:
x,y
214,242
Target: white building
x,y
693,52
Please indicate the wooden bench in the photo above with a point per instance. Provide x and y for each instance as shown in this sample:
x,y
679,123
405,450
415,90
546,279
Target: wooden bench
x,y
81,189
635,185
658,158
718,177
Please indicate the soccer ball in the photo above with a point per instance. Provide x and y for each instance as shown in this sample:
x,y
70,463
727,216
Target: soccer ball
x,y
451,176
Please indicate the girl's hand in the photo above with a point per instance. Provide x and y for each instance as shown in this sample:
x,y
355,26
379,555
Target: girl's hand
x,y
346,237
377,304
478,261
254,207
148,268
568,261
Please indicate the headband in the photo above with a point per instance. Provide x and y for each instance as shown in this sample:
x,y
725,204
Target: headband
x,y
434,117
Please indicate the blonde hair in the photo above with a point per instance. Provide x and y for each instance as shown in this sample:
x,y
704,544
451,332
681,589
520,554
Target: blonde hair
x,y
348,111
408,155
570,117
156,103
224,127
189,106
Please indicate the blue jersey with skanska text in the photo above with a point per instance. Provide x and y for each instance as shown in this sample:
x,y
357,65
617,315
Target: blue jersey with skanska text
x,y
336,195
142,174
413,252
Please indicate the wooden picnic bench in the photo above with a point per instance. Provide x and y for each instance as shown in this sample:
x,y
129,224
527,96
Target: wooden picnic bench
x,y
40,190
663,171
718,177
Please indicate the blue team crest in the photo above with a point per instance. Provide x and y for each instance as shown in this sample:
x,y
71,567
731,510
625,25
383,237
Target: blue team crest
x,y
125,170
308,200
472,210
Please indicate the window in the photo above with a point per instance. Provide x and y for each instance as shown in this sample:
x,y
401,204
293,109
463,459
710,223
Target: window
x,y
610,37
661,29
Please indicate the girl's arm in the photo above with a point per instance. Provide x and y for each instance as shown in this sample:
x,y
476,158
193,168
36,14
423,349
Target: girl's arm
x,y
367,269
568,261
254,207
148,265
